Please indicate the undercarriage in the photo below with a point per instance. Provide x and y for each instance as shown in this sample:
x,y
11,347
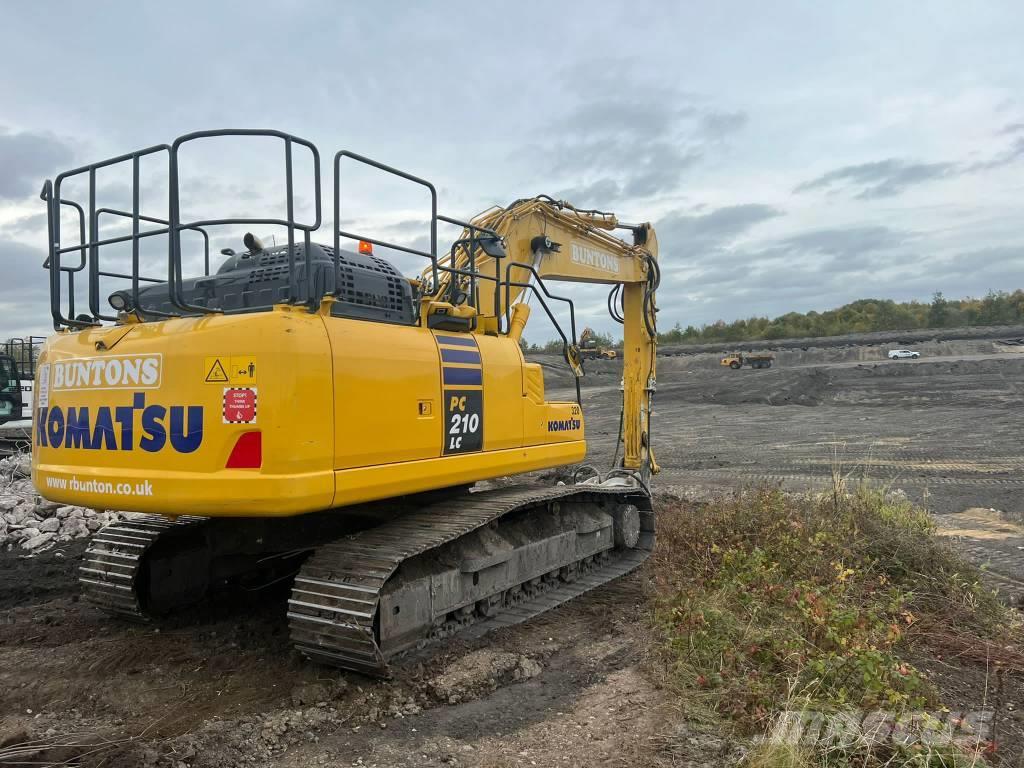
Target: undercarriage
x,y
380,581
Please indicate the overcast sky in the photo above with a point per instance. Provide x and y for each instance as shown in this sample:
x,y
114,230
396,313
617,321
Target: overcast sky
x,y
793,156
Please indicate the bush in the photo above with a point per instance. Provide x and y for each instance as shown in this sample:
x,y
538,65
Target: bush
x,y
766,603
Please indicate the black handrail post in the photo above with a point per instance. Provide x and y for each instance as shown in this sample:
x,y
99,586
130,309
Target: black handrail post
x,y
54,257
94,266
135,233
314,301
339,233
498,316
173,217
290,204
472,268
337,225
433,232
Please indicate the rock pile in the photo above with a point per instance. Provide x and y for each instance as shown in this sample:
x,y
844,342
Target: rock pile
x,y
29,522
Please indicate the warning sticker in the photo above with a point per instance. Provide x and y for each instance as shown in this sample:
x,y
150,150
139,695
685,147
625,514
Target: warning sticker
x,y
216,373
243,370
43,397
240,405
239,370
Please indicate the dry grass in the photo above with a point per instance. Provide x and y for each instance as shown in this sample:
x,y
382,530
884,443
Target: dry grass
x,y
767,603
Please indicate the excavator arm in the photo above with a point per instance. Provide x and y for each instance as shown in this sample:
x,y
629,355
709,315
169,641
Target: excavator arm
x,y
493,265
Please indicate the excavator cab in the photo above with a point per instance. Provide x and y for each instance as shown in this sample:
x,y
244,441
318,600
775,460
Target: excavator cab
x,y
303,410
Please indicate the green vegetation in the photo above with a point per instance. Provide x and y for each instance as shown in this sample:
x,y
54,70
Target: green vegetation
x,y
864,316
767,603
555,346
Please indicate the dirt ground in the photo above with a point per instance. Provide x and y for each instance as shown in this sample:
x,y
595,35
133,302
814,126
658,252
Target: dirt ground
x,y
945,430
219,686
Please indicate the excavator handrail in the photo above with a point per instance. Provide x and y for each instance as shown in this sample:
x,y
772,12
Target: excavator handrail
x,y
174,250
469,244
90,242
460,262
472,241
339,233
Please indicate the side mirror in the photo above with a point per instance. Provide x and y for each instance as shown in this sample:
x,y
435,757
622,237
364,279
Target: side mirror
x,y
493,247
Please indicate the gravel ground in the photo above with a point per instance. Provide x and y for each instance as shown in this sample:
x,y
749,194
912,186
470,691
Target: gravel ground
x,y
945,430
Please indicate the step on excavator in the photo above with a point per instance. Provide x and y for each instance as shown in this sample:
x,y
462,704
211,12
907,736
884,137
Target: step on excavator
x,y
306,412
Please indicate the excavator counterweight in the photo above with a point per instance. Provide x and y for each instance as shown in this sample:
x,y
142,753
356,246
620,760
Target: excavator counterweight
x,y
307,412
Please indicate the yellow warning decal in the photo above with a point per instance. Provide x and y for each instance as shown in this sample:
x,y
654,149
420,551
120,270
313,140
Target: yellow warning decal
x,y
239,370
216,373
243,370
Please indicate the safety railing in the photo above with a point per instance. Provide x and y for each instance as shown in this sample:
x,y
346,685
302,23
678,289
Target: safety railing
x,y
23,351
66,270
480,238
90,242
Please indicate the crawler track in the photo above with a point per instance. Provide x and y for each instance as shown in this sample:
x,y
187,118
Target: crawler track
x,y
465,564
337,599
112,570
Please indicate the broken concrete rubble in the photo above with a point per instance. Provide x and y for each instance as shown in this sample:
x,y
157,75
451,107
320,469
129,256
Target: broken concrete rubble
x,y
31,523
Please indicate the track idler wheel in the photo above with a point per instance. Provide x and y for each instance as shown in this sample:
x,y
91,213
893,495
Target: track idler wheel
x,y
627,526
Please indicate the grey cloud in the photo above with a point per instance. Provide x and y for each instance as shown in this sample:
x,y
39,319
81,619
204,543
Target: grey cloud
x,y
636,146
611,117
809,264
890,177
987,261
24,304
26,159
818,269
1007,156
704,234
27,226
883,178
658,169
593,193
408,226
848,245
654,168
720,124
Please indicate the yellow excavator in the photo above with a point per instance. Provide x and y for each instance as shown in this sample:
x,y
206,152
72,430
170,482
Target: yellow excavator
x,y
590,349
306,412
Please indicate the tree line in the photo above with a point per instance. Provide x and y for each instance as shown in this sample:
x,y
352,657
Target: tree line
x,y
862,316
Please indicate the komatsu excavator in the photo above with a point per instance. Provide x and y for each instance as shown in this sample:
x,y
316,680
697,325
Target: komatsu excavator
x,y
307,413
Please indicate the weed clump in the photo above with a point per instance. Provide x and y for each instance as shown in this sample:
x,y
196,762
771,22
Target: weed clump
x,y
767,603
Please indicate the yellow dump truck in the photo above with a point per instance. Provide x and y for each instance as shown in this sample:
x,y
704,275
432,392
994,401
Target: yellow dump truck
x,y
739,359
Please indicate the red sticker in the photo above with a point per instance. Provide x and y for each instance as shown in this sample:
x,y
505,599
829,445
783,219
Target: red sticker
x,y
240,405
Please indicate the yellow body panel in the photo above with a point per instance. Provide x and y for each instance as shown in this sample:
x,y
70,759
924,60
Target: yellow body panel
x,y
347,410
382,373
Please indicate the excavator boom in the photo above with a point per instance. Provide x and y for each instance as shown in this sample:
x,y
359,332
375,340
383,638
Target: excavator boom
x,y
549,240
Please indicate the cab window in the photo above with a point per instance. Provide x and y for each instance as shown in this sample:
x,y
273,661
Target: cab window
x,y
8,378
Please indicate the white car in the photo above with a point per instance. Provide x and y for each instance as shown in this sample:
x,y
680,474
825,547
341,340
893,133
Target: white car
x,y
901,354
